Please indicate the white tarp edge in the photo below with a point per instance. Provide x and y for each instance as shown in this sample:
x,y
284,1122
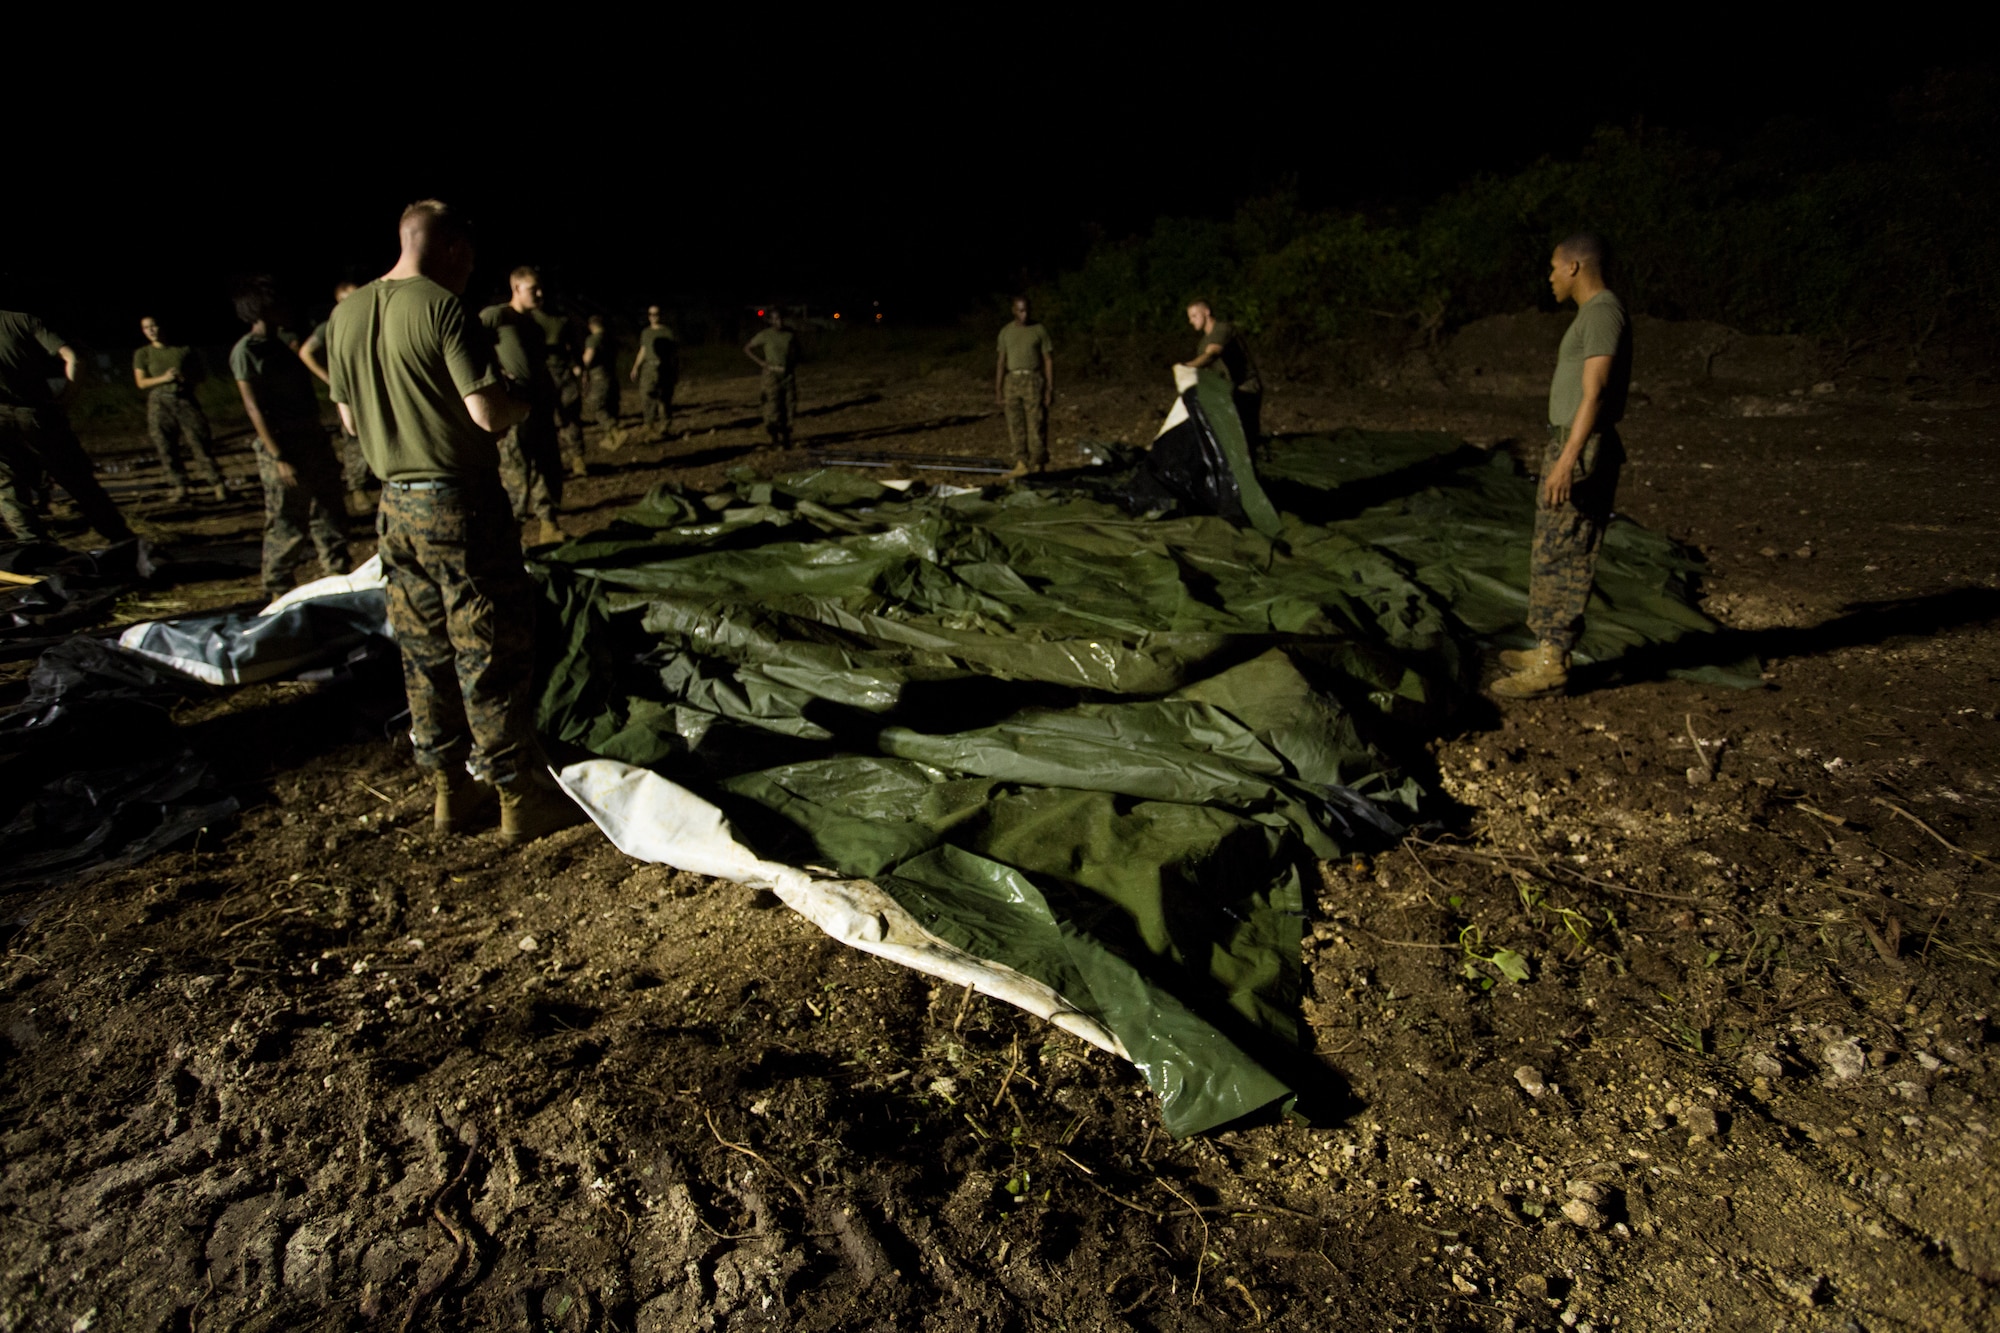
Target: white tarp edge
x,y
136,639
650,818
368,574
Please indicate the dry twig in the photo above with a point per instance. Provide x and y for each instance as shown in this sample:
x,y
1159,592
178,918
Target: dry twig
x,y
1962,851
461,1241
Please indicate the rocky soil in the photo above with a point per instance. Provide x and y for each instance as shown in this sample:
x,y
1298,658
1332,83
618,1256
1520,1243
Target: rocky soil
x,y
1679,1017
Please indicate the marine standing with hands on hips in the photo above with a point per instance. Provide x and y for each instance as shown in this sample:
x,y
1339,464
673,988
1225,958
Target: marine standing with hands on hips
x,y
1580,465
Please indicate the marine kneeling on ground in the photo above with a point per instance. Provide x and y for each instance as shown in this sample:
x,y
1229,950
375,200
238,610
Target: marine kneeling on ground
x,y
1580,464
415,379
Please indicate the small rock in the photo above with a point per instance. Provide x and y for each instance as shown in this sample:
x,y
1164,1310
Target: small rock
x,y
1804,1288
1844,1058
1585,1215
1464,1287
1930,1062
1769,552
1763,1065
1530,1079
1532,1285
1587,1190
1700,1122
528,944
1914,1092
1803,553
1824,386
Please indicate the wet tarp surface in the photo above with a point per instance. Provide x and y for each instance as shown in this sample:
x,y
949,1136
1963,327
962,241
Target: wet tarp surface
x,y
1099,747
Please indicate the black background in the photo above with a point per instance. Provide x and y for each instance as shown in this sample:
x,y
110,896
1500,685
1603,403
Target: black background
x,y
932,176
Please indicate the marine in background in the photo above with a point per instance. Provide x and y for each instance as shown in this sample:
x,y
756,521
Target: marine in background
x,y
600,374
775,352
295,459
1221,344
562,343
168,374
35,435
1024,385
530,460
1580,464
415,379
657,371
353,467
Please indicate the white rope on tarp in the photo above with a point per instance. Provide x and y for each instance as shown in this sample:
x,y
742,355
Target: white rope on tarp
x,y
652,819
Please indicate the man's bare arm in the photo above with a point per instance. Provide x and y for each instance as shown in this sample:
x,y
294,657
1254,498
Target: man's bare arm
x,y
309,351
286,473
1000,378
762,364
347,419
1208,355
145,381
496,411
1556,485
1048,378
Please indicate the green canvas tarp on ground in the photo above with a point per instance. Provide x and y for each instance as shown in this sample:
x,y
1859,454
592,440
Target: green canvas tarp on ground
x,y
1103,750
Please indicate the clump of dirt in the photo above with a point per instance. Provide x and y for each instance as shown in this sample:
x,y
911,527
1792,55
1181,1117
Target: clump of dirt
x,y
1683,1020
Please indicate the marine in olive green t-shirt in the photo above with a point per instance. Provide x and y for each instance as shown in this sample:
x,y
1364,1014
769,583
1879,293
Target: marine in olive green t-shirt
x,y
561,347
404,355
659,342
1235,357
1599,329
26,349
1024,345
151,362
521,348
775,347
283,384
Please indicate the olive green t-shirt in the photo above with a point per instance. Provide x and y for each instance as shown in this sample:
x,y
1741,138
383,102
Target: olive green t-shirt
x,y
1235,359
317,340
519,345
1024,345
26,349
603,349
150,361
1599,329
561,347
283,385
404,355
662,345
775,346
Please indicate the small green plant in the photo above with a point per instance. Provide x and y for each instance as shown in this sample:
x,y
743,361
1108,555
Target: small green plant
x,y
1509,964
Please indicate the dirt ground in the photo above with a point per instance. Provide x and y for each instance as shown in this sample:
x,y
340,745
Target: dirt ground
x,y
324,1069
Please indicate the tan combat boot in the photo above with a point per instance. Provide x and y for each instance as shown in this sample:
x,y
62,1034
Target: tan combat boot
x,y
461,799
1515,659
1546,671
548,533
530,809
1018,471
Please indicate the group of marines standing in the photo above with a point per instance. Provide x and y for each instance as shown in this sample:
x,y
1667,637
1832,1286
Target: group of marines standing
x,y
470,430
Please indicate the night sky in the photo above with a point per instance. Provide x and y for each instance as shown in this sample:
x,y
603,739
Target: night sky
x,y
929,188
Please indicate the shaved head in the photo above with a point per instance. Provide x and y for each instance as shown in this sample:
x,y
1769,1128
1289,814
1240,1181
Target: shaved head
x,y
436,243
1584,247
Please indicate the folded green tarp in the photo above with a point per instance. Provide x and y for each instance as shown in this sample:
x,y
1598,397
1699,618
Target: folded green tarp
x,y
1104,750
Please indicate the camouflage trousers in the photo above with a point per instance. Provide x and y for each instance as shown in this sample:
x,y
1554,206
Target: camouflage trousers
x,y
311,508
656,395
1562,563
600,395
531,467
463,611
37,442
781,403
173,420
569,421
1027,416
